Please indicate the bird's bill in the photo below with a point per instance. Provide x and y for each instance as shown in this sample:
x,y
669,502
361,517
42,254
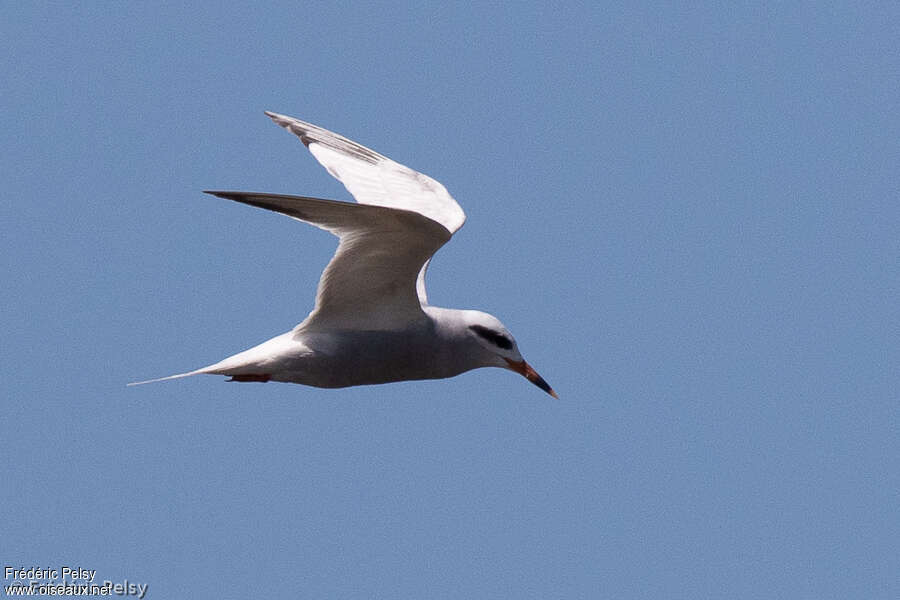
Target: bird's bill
x,y
524,369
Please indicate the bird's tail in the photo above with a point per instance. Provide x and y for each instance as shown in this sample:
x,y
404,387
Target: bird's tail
x,y
178,376
243,366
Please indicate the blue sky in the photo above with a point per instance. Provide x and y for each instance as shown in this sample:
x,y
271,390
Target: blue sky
x,y
687,216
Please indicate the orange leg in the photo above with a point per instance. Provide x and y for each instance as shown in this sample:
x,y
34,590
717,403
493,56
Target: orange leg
x,y
260,378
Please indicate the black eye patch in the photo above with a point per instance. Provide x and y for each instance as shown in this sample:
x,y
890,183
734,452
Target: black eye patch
x,y
498,339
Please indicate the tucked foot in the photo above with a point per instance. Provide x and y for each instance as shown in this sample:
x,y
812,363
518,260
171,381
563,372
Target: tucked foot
x,y
259,378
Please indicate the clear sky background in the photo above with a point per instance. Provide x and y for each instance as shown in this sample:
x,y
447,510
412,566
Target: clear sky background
x,y
687,216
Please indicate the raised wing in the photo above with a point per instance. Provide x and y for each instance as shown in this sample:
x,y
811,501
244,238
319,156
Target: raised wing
x,y
375,179
370,283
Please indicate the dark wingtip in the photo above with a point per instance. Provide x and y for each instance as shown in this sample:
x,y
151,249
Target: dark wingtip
x,y
219,193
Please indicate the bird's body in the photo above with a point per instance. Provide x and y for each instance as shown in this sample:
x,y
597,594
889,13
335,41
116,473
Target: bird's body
x,y
372,322
427,349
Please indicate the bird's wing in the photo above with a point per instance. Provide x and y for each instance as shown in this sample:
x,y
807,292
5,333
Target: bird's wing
x,y
371,280
375,179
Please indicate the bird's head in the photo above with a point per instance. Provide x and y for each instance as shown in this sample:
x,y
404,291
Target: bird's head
x,y
498,348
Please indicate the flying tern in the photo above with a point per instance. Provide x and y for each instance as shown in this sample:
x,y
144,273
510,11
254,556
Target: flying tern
x,y
372,322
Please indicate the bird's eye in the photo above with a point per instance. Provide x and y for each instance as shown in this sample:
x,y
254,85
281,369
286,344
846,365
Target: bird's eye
x,y
498,339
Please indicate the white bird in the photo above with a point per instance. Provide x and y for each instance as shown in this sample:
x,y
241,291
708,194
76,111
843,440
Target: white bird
x,y
372,322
